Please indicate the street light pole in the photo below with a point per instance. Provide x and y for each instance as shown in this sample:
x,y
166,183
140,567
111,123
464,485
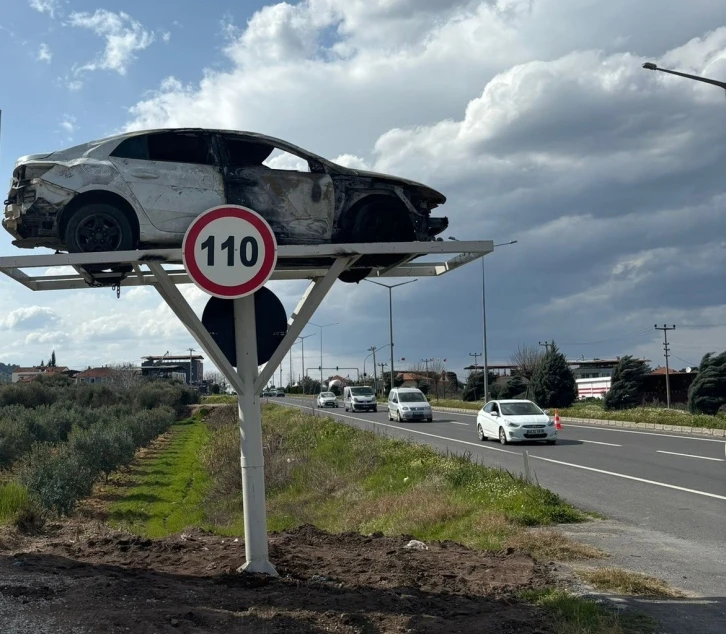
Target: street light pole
x,y
302,344
321,348
485,359
390,288
705,80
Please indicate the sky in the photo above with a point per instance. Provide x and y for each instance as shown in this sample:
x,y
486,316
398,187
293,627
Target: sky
x,y
533,117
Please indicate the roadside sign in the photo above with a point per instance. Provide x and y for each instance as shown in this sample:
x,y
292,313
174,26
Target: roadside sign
x,y
229,251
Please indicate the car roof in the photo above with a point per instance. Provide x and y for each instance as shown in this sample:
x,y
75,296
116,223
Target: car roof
x,y
513,400
406,389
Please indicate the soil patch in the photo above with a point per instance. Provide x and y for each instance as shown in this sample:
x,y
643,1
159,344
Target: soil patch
x,y
113,582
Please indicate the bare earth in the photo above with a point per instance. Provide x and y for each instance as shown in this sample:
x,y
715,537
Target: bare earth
x,y
80,582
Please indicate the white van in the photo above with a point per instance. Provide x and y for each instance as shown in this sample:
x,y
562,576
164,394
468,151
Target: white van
x,y
359,397
408,403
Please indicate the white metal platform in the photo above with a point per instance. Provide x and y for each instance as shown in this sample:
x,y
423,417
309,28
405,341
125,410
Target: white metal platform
x,y
460,252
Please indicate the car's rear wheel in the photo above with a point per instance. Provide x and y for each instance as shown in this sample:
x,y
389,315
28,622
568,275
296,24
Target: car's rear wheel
x,y
551,442
381,219
99,227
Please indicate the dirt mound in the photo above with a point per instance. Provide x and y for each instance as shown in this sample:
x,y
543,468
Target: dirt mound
x,y
328,583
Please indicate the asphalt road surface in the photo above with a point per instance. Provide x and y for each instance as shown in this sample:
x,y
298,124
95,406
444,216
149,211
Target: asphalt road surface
x,y
664,494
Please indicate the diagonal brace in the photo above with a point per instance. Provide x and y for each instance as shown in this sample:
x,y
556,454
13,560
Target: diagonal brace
x,y
175,300
305,309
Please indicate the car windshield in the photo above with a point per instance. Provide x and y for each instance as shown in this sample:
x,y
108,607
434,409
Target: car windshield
x,y
411,397
361,391
520,409
327,394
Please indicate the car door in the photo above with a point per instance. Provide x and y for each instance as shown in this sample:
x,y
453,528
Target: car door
x,y
174,175
392,400
487,419
298,204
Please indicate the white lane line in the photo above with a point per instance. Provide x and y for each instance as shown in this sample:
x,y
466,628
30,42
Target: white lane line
x,y
567,464
628,477
453,422
690,455
597,442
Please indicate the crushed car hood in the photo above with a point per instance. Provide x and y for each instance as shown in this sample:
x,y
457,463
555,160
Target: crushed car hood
x,y
429,192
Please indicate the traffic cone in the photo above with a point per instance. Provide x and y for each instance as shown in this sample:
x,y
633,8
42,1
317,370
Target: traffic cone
x,y
557,420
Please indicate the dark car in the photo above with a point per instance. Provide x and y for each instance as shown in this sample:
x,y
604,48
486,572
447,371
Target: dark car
x,y
143,189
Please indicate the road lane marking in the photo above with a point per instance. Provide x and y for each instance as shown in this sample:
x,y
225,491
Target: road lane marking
x,y
453,422
597,442
628,477
560,462
690,455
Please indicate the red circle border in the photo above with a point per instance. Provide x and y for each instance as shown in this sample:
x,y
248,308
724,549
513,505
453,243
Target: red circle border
x,y
229,211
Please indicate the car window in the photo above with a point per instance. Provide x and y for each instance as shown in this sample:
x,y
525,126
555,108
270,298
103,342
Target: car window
x,y
488,408
173,147
495,408
521,409
242,152
412,397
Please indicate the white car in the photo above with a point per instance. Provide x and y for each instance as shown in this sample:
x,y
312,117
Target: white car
x,y
327,399
515,421
408,403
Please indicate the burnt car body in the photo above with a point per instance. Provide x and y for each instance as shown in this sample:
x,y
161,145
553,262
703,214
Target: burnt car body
x,y
143,189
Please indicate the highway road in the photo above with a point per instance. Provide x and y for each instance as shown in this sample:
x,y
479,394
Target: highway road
x,y
664,494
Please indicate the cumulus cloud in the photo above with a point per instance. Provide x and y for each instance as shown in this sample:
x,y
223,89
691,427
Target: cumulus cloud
x,y
30,318
44,54
123,35
45,6
68,125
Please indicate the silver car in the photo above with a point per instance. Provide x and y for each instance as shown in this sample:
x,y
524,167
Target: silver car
x,y
408,403
327,399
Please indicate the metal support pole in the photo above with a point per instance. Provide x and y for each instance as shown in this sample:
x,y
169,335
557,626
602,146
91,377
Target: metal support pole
x,y
250,428
321,359
485,359
302,381
375,372
390,327
666,351
527,473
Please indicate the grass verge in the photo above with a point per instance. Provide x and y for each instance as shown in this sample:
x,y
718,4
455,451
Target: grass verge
x,y
219,398
574,615
13,498
340,479
622,581
162,493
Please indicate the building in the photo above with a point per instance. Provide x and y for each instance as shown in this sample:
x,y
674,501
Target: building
x,y
186,368
23,375
98,375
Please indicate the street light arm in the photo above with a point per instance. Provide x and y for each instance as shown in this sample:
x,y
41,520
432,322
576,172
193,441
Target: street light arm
x,y
705,80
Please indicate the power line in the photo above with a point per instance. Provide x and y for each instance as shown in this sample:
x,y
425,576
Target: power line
x,y
631,335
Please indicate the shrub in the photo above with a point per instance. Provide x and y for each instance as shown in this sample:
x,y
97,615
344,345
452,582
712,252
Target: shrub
x,y
56,477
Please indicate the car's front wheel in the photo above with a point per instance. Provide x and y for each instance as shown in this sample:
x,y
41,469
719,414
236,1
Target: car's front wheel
x,y
480,433
503,436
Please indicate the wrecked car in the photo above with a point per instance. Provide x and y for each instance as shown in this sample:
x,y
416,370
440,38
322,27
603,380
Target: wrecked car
x,y
143,189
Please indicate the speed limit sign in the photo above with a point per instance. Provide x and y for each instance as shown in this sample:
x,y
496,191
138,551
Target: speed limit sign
x,y
229,251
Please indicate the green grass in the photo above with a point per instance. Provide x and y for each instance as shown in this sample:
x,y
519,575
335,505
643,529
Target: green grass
x,y
13,497
657,415
167,486
340,479
219,398
573,615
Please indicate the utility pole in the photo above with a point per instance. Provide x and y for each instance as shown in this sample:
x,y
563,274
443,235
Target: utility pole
x,y
290,355
428,380
191,364
666,350
280,384
546,345
375,373
382,366
475,355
